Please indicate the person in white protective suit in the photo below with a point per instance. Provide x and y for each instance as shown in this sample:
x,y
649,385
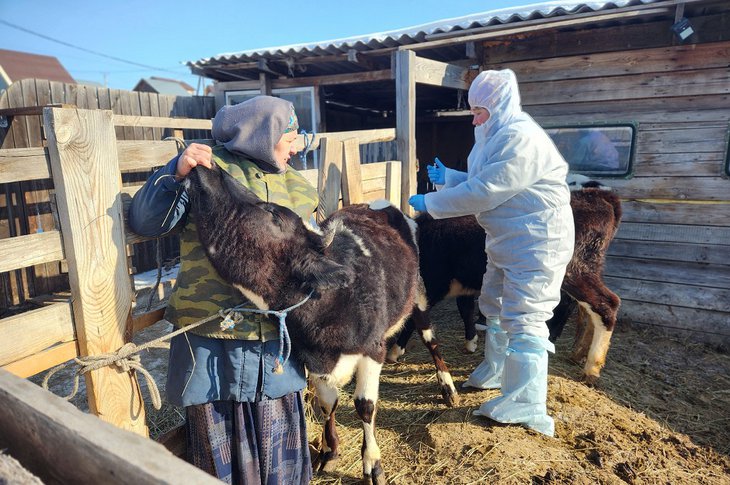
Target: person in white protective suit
x,y
516,187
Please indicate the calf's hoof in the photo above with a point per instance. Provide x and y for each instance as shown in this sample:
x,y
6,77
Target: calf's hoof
x,y
395,351
376,476
451,397
590,381
325,462
471,345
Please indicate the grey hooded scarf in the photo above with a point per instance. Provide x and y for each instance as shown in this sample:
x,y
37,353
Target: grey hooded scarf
x,y
253,128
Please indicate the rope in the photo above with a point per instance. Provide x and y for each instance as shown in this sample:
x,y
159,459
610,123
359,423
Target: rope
x,y
308,140
126,359
233,316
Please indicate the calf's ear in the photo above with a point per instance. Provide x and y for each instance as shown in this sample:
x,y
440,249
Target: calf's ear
x,y
320,273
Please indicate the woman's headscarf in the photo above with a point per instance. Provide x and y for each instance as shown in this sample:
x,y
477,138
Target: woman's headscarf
x,y
254,127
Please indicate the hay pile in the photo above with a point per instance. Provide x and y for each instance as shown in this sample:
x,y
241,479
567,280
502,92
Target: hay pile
x,y
658,415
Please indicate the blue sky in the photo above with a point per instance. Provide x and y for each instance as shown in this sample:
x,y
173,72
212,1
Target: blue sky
x,y
165,34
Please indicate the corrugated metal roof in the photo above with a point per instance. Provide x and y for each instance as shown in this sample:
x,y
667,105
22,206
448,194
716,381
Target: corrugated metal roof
x,y
419,33
168,86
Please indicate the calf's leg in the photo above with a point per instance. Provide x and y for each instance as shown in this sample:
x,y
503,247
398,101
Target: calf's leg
x,y
443,375
366,400
326,392
466,305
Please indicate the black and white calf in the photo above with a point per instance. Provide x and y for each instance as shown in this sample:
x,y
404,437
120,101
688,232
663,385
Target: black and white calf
x,y
453,263
362,266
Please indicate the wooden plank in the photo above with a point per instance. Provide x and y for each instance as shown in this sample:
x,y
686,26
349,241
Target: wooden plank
x,y
687,296
31,110
146,110
144,320
629,87
20,164
673,317
673,188
666,59
435,73
374,170
142,155
82,148
363,136
311,175
332,80
696,274
24,251
681,252
159,122
351,176
329,183
674,233
688,109
44,360
699,164
30,332
405,101
663,212
17,126
61,444
683,141
393,182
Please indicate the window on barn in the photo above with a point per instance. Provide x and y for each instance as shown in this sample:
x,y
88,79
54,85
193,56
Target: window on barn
x,y
303,101
603,150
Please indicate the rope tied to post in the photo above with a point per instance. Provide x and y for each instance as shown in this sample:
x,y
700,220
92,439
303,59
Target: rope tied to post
x,y
126,359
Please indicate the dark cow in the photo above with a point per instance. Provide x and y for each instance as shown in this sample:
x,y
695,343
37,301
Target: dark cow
x,y
362,268
453,262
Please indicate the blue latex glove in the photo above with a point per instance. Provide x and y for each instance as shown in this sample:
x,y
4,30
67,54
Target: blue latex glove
x,y
418,202
437,172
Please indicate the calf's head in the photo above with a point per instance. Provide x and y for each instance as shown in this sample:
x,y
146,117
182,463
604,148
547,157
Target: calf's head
x,y
261,246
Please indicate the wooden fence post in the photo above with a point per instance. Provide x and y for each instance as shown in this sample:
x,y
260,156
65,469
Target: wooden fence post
x,y
351,173
86,176
329,182
405,125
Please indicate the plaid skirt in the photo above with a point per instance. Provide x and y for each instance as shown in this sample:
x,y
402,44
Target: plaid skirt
x,y
247,443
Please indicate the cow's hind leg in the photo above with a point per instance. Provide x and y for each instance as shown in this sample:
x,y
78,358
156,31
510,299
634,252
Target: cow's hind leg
x,y
601,307
327,397
366,400
399,346
466,305
428,336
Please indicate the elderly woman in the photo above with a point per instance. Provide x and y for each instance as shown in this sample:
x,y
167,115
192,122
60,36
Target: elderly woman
x,y
245,423
515,185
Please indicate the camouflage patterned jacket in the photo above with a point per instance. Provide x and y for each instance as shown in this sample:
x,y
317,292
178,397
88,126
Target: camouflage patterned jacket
x,y
200,292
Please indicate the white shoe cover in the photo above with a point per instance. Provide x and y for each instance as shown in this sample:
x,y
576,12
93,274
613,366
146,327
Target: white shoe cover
x,y
488,374
524,386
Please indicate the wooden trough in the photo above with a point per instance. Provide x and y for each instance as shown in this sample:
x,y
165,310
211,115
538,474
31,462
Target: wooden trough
x,y
84,160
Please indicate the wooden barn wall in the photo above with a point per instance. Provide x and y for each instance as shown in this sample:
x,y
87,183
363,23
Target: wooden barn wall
x,y
670,260
25,207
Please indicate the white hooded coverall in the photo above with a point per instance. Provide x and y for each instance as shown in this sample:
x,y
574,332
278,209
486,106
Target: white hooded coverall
x,y
515,185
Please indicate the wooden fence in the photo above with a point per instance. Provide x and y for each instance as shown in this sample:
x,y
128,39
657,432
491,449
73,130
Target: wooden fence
x,y
84,160
26,208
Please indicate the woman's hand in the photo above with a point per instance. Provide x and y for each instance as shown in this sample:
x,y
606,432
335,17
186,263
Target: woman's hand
x,y
195,154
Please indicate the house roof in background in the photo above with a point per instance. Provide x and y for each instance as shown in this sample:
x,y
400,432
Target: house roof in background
x,y
24,65
167,86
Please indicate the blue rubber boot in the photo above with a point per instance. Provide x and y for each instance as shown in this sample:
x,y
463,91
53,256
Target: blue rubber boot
x,y
488,374
524,386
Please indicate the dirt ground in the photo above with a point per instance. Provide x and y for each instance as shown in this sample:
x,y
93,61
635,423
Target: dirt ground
x,y
660,414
